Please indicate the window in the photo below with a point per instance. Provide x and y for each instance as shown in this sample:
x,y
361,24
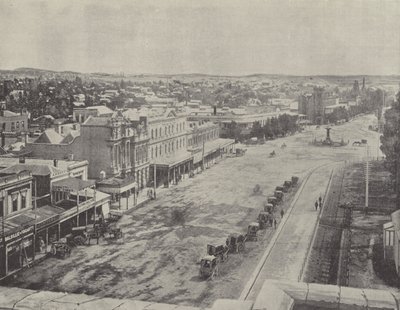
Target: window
x,y
1,208
152,135
17,125
23,199
151,152
12,126
14,202
22,124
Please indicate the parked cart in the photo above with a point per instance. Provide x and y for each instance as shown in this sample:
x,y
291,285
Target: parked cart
x,y
236,243
252,231
208,267
219,251
269,207
264,219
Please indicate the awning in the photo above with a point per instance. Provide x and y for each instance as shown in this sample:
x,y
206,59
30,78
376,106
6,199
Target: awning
x,y
116,185
16,224
174,160
72,184
46,215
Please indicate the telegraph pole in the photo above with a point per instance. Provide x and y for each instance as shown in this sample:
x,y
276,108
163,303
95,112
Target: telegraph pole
x,y
155,179
367,180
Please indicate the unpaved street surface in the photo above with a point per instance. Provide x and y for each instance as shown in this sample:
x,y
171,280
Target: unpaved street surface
x,y
164,240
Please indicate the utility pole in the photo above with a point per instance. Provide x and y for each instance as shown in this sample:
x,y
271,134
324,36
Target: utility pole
x,y
367,181
4,249
202,157
155,179
34,228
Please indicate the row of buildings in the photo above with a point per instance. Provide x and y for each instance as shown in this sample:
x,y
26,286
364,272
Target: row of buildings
x,y
74,174
316,106
40,201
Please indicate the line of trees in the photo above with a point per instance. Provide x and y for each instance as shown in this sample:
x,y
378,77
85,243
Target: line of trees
x,y
390,143
274,127
280,126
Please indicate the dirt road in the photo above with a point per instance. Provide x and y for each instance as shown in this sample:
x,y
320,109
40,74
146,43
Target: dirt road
x,y
164,240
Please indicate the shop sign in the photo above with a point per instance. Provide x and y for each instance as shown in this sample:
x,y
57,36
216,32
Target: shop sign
x,y
19,233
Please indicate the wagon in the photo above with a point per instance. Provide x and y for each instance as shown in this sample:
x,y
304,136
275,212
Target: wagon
x,y
219,251
272,200
269,207
208,267
264,219
252,231
236,243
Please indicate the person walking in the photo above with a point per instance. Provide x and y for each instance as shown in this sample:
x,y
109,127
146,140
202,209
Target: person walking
x,y
316,205
274,223
320,201
282,213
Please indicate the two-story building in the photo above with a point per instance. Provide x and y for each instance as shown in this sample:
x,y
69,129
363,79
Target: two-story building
x,y
168,153
13,123
116,149
80,115
204,143
17,243
45,172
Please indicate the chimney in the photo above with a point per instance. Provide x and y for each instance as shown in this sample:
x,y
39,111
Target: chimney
x,y
22,160
215,110
55,162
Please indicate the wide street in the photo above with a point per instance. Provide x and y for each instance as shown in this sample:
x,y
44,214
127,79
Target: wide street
x,y
164,239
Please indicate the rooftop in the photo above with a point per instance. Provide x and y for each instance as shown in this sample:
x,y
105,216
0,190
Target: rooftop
x,y
101,109
49,136
37,163
73,184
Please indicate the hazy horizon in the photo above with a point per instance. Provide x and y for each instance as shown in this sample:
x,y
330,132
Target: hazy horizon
x,y
224,38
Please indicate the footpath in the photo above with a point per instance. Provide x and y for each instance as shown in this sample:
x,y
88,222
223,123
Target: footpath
x,y
285,256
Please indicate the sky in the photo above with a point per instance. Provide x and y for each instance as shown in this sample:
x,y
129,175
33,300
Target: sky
x,y
222,37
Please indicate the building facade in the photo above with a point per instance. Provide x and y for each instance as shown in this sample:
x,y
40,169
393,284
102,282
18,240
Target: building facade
x,y
13,123
17,230
168,147
117,151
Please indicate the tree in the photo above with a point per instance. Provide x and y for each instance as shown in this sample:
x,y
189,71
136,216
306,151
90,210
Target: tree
x,y
390,141
234,131
257,130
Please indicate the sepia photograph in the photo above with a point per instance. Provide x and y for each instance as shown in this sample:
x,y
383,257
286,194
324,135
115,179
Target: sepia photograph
x,y
199,155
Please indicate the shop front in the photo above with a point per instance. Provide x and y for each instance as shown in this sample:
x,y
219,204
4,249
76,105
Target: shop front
x,y
123,191
17,250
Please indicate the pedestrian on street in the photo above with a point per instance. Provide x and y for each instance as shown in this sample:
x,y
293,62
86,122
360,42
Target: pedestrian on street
x,y
275,223
316,205
270,221
282,213
320,200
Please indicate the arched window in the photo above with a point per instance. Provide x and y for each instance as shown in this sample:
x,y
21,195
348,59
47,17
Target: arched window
x,y
152,134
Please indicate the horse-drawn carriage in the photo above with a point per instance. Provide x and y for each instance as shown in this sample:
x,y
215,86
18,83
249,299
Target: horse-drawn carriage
x,y
236,243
